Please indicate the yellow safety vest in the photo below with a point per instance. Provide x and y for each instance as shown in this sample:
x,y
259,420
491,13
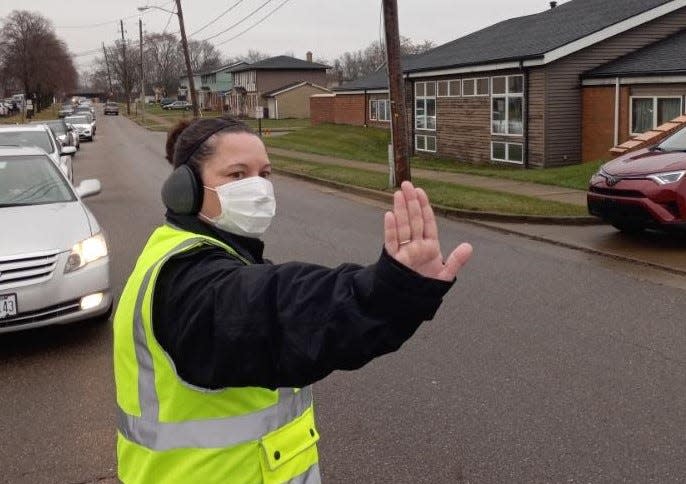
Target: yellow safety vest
x,y
170,431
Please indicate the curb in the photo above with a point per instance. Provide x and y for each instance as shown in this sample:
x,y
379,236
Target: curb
x,y
581,248
448,212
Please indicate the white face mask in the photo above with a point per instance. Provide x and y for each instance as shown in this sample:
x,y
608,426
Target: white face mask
x,y
247,205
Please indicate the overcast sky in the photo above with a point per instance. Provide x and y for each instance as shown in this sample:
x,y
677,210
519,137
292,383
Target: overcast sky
x,y
326,27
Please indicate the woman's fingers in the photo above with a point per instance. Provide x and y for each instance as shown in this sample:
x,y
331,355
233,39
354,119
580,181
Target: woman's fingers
x,y
390,234
430,227
414,211
402,222
455,261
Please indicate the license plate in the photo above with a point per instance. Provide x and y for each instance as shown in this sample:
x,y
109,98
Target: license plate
x,y
8,306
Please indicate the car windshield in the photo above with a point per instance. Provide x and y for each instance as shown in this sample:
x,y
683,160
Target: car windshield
x,y
39,139
31,180
676,142
58,127
77,119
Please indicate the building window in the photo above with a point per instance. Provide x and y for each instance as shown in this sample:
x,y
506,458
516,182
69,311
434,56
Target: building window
x,y
423,142
425,106
449,88
379,110
508,152
650,112
507,105
476,87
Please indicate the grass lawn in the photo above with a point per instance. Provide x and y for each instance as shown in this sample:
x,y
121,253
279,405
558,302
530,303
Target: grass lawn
x,y
371,144
47,113
445,194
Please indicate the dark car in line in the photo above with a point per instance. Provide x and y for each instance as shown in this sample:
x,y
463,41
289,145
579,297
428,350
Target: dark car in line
x,y
642,190
111,108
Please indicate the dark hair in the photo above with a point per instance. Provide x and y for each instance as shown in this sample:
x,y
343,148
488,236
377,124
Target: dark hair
x,y
191,142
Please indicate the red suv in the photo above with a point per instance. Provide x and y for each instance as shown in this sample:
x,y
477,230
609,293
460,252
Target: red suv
x,y
643,189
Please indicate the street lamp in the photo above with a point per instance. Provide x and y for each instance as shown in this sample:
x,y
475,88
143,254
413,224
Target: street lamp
x,y
184,44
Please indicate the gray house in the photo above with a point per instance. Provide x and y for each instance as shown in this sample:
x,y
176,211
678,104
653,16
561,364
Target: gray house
x,y
513,92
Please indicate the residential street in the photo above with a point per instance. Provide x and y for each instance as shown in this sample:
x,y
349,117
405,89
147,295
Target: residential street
x,y
544,364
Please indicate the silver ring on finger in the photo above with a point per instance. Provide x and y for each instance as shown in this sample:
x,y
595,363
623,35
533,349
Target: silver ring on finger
x,y
404,242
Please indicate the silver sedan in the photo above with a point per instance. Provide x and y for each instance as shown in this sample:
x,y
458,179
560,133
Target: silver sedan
x,y
54,263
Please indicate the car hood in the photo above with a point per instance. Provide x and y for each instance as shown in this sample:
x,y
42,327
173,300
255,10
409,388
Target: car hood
x,y
82,125
37,228
646,162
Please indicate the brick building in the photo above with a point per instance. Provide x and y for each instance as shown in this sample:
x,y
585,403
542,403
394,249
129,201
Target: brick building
x,y
512,93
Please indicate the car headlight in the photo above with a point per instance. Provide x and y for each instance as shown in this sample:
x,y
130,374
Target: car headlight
x,y
85,252
668,177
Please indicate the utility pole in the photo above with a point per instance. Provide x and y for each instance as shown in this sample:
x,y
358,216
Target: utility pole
x,y
127,86
140,35
400,139
189,71
107,64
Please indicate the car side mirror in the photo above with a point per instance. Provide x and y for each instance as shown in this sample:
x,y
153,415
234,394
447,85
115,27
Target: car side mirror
x,y
68,150
88,188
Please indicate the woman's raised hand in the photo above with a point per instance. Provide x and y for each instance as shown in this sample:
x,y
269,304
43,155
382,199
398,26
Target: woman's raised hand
x,y
411,236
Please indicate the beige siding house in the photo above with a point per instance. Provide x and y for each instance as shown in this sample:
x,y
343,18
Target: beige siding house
x,y
292,101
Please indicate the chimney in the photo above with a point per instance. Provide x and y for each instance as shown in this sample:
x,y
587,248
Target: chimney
x,y
553,4
309,56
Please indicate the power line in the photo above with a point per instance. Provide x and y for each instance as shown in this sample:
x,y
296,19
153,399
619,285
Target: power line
x,y
166,26
254,25
239,22
217,18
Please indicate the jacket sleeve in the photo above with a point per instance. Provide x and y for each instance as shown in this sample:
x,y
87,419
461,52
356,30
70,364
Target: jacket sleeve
x,y
225,324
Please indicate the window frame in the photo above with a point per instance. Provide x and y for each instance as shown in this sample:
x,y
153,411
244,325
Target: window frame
x,y
476,84
655,101
386,103
426,136
424,99
448,83
506,96
507,152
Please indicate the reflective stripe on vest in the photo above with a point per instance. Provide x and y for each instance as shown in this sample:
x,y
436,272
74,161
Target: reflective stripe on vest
x,y
149,432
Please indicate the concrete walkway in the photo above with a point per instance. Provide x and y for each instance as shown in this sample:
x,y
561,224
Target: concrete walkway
x,y
543,192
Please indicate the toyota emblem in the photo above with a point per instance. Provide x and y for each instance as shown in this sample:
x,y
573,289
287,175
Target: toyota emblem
x,y
611,180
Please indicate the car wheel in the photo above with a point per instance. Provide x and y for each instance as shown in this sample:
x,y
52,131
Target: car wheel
x,y
628,227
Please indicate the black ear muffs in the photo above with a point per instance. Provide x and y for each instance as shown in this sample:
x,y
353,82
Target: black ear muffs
x,y
182,192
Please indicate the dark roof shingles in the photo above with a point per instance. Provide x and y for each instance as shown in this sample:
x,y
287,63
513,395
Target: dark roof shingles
x,y
282,62
533,35
662,57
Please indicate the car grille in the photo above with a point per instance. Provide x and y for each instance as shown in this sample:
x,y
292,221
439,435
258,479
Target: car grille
x,y
616,192
26,269
42,314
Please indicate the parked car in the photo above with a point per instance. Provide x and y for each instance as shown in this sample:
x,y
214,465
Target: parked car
x,y
64,132
111,108
166,100
82,123
40,136
643,189
65,110
54,263
178,105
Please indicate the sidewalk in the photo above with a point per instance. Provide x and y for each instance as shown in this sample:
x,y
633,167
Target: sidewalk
x,y
535,190
543,192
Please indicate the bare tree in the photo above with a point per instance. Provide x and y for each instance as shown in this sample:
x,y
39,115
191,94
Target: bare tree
x,y
163,61
353,65
204,56
35,58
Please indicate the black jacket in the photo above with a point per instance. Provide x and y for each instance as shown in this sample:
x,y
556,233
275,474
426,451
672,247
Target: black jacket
x,y
227,324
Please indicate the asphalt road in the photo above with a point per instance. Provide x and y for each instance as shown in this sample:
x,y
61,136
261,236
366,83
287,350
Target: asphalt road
x,y
543,365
